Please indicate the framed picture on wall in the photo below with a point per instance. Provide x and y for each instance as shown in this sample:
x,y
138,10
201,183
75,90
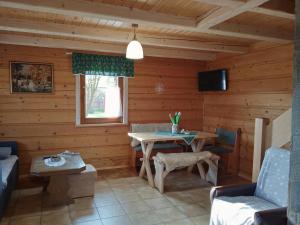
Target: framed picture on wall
x,y
28,77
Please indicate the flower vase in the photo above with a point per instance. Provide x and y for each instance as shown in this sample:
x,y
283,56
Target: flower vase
x,y
174,128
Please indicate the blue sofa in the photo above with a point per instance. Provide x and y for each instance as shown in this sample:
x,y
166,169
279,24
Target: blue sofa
x,y
9,171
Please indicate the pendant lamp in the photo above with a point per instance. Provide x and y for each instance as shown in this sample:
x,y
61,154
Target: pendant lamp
x,y
134,48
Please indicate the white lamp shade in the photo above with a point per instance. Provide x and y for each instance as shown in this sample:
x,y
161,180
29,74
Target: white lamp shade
x,y
134,50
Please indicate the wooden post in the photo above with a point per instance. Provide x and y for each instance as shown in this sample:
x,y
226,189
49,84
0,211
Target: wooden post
x,y
294,182
259,146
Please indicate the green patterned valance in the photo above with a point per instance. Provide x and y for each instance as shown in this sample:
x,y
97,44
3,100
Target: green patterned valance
x,y
104,65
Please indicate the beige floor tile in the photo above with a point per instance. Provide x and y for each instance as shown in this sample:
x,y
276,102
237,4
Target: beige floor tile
x,y
26,211
84,215
152,193
128,197
110,211
54,209
106,200
201,220
93,222
82,203
32,220
180,222
135,207
101,184
191,210
158,203
123,187
169,214
57,218
119,220
178,198
145,218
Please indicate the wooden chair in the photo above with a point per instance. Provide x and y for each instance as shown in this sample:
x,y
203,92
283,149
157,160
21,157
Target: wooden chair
x,y
227,146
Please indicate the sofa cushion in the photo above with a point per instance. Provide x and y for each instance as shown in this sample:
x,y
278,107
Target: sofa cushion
x,y
237,210
5,152
273,179
6,167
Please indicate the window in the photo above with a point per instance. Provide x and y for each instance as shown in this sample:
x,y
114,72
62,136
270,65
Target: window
x,y
101,100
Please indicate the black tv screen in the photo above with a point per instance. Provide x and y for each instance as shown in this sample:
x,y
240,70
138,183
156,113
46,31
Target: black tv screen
x,y
214,80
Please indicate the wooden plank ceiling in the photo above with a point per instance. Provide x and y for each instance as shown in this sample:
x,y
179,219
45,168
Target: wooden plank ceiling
x,y
191,29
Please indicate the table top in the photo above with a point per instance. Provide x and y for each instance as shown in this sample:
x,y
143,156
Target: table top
x,y
74,164
152,136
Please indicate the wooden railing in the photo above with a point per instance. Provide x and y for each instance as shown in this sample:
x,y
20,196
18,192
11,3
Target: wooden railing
x,y
266,134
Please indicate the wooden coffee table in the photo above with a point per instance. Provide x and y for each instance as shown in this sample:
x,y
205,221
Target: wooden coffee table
x,y
58,187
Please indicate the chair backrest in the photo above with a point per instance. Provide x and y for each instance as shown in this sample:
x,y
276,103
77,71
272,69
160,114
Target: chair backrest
x,y
148,127
273,179
226,137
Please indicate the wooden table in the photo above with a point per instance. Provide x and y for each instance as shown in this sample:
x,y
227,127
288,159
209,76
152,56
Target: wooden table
x,y
148,139
58,186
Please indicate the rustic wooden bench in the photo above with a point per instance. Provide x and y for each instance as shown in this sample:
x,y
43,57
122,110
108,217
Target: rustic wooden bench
x,y
165,163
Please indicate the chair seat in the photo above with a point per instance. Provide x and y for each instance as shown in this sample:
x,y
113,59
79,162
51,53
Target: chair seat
x,y
237,210
161,146
217,149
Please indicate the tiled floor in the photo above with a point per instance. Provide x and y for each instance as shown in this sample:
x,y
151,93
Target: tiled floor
x,y
119,201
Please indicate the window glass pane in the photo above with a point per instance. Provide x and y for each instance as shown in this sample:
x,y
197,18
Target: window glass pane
x,y
102,97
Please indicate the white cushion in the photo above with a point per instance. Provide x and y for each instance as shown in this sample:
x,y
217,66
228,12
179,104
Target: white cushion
x,y
237,210
273,180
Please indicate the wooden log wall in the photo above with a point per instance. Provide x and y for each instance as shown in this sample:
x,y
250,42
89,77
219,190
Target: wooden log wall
x,y
45,124
260,85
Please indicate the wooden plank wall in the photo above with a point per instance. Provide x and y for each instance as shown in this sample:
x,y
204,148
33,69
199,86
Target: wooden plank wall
x,y
260,85
45,124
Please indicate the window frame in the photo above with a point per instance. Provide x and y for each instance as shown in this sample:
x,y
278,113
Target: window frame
x,y
81,119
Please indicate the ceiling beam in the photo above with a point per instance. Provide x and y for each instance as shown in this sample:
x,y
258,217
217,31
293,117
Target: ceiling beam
x,y
99,10
282,12
227,12
63,30
49,42
245,31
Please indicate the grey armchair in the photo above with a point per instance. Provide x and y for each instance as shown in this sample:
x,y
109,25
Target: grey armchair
x,y
261,203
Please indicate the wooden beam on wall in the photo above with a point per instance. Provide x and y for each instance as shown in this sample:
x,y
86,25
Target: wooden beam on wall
x,y
224,13
63,30
49,42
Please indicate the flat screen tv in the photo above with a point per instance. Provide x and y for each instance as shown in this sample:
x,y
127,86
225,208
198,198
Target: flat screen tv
x,y
214,80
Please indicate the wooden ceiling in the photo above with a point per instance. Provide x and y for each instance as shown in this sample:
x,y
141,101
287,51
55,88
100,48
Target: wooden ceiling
x,y
191,29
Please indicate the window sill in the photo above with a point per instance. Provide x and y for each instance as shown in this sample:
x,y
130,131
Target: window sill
x,y
101,125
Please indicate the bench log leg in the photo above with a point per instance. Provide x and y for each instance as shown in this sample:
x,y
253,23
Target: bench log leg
x,y
160,175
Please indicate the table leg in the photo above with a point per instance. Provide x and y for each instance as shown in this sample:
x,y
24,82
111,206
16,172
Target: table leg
x,y
58,191
147,149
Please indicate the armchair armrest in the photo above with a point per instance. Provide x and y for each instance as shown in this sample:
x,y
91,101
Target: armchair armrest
x,y
271,217
233,190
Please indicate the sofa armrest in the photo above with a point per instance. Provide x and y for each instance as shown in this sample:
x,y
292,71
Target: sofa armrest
x,y
233,190
271,217
12,144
